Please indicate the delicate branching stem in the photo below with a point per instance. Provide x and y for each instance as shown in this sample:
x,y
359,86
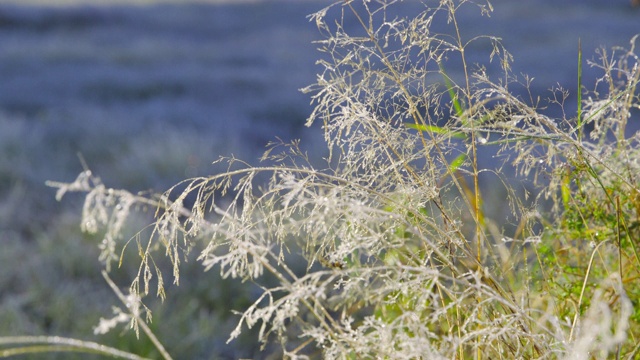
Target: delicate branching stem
x,y
165,355
584,287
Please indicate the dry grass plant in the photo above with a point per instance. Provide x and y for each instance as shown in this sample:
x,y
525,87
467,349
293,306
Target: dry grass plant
x,y
401,258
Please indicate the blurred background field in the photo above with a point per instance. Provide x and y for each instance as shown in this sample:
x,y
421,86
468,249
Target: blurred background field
x,y
151,92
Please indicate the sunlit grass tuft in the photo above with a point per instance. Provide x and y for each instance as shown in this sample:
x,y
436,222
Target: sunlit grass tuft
x,y
392,250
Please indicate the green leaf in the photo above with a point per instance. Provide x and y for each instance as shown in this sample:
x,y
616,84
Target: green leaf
x,y
454,97
457,162
436,129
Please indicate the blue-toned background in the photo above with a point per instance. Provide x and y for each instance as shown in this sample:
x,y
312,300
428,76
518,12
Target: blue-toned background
x,y
151,93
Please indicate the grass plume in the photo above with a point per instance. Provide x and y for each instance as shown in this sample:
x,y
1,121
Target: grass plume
x,y
400,255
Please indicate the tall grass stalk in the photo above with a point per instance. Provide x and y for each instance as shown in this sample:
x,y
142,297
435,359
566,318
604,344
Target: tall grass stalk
x,y
401,253
31,345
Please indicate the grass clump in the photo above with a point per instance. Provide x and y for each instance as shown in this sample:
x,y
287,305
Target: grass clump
x,y
391,250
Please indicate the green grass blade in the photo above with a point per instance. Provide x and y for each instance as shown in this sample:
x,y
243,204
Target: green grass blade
x,y
436,129
457,162
457,105
579,89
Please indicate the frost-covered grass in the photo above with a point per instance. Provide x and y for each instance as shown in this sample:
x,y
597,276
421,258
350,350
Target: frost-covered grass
x,y
392,248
